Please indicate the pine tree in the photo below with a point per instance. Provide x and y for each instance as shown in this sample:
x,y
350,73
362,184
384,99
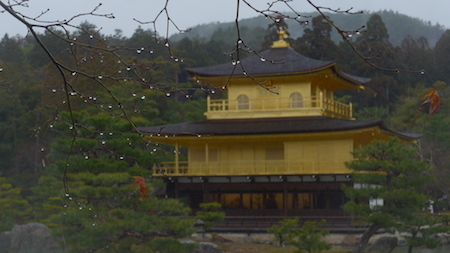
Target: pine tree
x,y
14,208
100,209
389,186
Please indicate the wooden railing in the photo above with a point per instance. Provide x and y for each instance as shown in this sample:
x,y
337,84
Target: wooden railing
x,y
276,104
253,167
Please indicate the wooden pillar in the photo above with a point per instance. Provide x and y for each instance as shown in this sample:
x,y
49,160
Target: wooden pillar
x,y
177,162
264,202
321,100
285,199
241,199
207,157
205,192
351,110
295,204
327,198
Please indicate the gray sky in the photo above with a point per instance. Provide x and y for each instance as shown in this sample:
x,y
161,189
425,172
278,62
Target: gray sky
x,y
188,13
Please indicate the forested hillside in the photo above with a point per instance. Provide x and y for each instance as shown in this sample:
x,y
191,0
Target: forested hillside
x,y
36,126
399,26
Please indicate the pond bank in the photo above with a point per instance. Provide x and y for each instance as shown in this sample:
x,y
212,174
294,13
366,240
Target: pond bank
x,y
345,240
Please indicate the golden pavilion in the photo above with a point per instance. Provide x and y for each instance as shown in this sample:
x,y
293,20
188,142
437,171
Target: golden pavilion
x,y
276,145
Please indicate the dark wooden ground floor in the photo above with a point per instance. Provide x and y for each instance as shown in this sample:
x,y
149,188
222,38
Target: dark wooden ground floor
x,y
276,197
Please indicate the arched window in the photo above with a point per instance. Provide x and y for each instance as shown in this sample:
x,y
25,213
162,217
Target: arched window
x,y
296,100
242,102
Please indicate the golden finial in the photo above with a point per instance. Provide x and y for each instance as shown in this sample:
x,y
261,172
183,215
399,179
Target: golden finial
x,y
282,34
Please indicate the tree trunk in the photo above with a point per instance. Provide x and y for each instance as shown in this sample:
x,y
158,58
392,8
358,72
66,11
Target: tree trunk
x,y
410,248
362,244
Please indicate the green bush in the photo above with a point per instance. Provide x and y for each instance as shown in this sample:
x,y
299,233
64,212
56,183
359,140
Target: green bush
x,y
284,229
309,238
210,214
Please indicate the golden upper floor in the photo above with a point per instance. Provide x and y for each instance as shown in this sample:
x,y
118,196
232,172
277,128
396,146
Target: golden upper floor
x,y
294,105
287,85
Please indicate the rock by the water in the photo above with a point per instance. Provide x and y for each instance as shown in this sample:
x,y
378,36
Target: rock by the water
x,y
384,245
220,239
30,238
205,247
5,241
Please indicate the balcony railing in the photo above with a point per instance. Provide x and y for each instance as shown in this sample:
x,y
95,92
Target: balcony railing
x,y
305,106
259,167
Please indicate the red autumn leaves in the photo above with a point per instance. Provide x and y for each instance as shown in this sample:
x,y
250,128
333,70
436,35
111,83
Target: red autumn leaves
x,y
433,99
142,188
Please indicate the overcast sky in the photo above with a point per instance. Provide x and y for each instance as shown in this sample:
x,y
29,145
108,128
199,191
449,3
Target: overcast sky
x,y
188,13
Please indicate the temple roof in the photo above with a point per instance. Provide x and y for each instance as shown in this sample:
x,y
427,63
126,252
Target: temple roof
x,y
274,61
267,126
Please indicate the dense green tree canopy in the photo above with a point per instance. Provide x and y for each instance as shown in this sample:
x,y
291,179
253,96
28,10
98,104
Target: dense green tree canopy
x,y
390,185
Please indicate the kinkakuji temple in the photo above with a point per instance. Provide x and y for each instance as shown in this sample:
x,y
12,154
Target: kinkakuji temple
x,y
276,145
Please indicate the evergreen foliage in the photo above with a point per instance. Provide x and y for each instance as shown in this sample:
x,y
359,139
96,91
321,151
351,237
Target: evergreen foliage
x,y
283,230
309,238
104,158
422,231
390,186
14,208
210,214
399,26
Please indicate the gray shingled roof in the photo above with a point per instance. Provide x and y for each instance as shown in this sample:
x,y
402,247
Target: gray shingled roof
x,y
276,61
265,126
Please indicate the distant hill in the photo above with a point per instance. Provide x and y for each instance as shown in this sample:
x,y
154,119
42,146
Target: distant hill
x,y
398,25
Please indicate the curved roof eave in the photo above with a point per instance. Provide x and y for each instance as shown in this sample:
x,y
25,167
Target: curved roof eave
x,y
271,61
278,62
256,75
268,126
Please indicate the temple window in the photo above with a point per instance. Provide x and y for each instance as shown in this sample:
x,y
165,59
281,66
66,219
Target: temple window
x,y
296,100
242,102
